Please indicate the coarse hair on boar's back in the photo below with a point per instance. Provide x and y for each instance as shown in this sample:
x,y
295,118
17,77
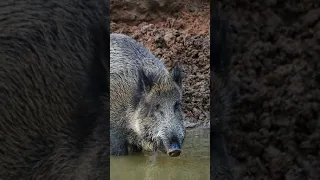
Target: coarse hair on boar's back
x,y
54,72
221,94
145,109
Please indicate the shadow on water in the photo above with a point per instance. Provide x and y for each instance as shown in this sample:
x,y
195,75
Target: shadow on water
x,y
192,164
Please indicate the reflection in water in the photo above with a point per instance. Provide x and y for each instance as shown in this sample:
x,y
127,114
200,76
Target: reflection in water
x,y
192,164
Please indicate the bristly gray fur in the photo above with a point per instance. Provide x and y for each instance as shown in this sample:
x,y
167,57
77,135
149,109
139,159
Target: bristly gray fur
x,y
145,99
54,88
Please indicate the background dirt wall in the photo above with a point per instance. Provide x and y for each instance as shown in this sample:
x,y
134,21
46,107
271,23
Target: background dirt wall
x,y
275,132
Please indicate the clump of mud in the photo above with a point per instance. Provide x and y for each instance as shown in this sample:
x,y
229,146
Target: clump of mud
x,y
275,131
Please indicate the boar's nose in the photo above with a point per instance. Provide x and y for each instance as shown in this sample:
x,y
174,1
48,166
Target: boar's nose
x,y
174,148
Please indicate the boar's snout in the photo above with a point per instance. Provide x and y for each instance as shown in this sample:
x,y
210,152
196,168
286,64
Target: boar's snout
x,y
170,146
174,150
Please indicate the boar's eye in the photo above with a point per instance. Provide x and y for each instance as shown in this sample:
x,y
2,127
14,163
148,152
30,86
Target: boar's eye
x,y
157,107
177,105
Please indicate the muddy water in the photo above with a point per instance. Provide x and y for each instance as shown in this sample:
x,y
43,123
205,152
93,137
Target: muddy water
x,y
192,164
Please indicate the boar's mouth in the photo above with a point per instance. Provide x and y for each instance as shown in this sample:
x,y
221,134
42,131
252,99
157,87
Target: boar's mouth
x,y
172,148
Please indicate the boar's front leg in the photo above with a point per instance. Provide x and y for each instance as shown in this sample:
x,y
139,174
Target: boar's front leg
x,y
118,143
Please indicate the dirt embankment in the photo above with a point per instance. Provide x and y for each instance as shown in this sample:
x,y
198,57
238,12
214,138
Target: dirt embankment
x,y
275,131
176,32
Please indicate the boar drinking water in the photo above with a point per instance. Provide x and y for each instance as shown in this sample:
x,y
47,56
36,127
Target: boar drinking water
x,y
145,100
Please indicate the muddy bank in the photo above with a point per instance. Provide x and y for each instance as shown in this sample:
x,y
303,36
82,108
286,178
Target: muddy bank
x,y
275,131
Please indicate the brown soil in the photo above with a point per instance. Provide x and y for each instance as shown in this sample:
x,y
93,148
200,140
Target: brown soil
x,y
176,33
275,131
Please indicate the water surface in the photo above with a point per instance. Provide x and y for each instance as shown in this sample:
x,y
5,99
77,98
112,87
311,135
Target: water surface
x,y
192,164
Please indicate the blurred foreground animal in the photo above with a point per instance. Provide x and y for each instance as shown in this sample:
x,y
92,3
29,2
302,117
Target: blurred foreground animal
x,y
54,59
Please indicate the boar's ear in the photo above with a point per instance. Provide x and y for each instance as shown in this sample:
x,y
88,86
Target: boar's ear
x,y
176,74
146,81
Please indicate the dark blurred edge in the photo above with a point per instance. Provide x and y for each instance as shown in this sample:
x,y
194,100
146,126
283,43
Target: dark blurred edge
x,y
220,60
